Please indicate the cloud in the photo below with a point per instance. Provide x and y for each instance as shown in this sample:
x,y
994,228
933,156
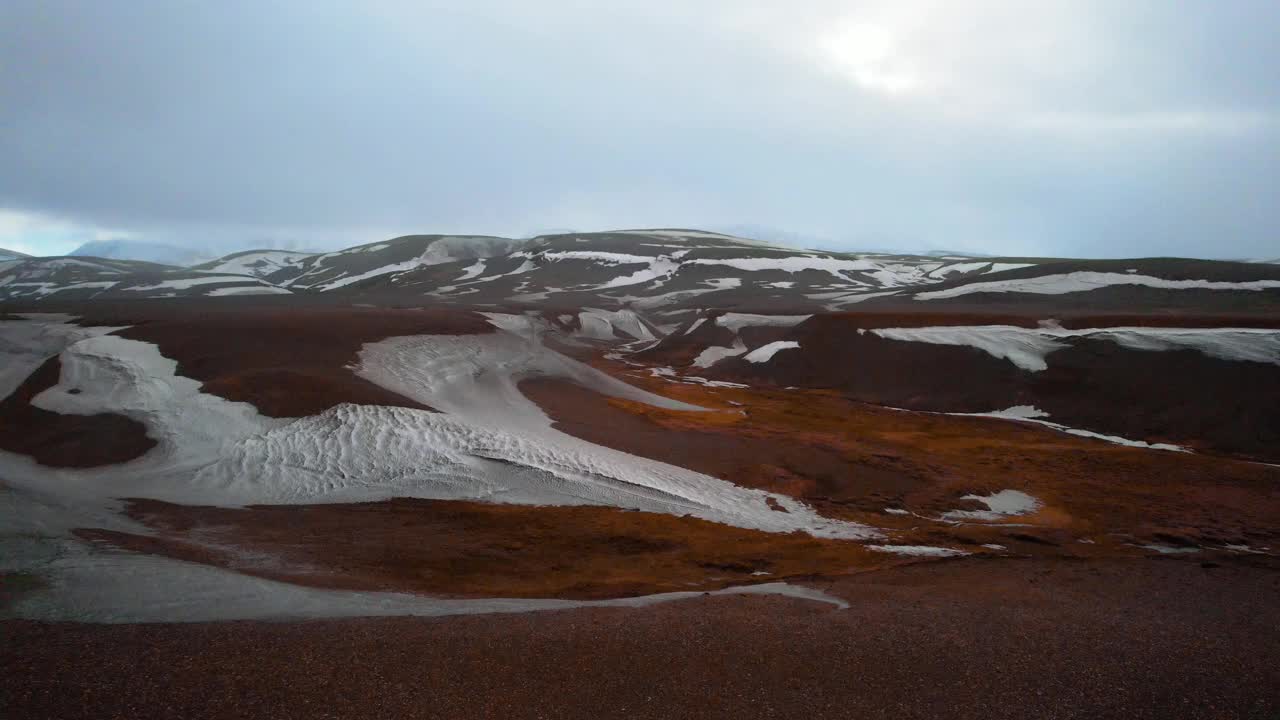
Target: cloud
x,y
36,234
1059,127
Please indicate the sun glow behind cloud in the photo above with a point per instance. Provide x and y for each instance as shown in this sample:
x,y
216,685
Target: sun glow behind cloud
x,y
1034,127
868,55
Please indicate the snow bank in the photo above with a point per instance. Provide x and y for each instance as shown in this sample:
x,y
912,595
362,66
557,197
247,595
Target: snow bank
x,y
250,290
659,267
490,442
1028,347
737,321
918,550
716,353
474,270
473,380
187,283
1032,414
765,353
600,324
1084,281
26,344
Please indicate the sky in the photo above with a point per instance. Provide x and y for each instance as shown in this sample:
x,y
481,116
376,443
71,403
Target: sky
x,y
1077,128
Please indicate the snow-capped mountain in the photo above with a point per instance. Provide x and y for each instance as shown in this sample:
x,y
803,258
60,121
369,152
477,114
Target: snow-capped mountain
x,y
665,273
11,255
71,279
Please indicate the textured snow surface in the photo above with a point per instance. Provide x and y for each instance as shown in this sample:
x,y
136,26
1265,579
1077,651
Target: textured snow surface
x,y
1028,347
1022,347
489,442
26,344
600,324
1000,505
485,418
1084,281
765,353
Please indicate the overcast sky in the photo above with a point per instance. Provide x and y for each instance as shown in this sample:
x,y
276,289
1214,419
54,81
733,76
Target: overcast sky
x,y
1068,128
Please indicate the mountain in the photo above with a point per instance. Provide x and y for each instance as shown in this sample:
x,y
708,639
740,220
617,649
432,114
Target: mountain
x,y
330,271
143,251
71,279
11,255
671,274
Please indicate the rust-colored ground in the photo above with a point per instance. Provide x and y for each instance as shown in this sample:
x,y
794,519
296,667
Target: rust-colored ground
x,y
1148,639
846,459
459,548
59,440
853,460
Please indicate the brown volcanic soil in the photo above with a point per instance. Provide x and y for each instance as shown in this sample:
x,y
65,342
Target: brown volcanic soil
x,y
971,640
853,460
808,467
59,440
289,362
482,550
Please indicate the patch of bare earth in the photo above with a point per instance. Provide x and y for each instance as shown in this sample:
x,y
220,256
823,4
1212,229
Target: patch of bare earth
x,y
1183,397
457,548
853,460
59,440
292,362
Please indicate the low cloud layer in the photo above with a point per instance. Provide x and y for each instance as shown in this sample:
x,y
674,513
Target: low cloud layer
x,y
1051,128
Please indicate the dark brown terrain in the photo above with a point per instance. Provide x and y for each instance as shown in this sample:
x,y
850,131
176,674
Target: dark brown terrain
x,y
977,639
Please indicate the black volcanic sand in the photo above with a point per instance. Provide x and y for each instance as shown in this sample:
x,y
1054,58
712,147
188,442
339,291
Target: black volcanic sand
x,y
981,639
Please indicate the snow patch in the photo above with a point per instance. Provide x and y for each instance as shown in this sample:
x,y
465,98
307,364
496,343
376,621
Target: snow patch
x,y
715,354
1000,505
1084,281
1028,347
918,550
765,353
737,321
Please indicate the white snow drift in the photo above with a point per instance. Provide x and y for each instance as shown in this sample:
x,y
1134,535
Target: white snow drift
x,y
1000,505
489,442
1028,347
1084,281
765,353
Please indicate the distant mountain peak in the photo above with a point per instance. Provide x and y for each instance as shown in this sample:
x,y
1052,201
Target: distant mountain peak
x,y
135,250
